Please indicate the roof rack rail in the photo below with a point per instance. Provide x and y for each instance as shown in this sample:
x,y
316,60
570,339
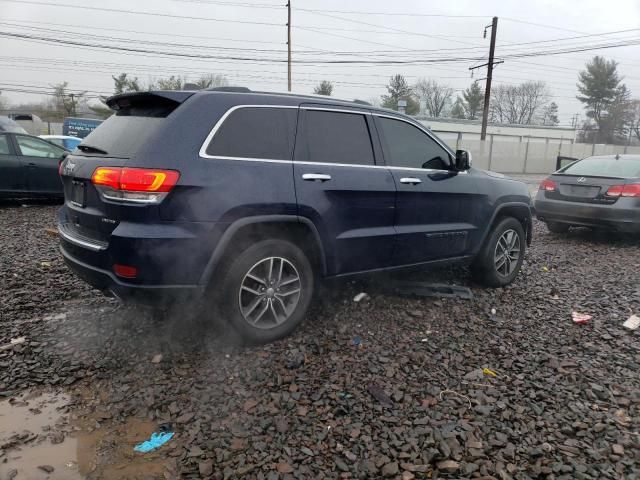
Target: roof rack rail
x,y
361,102
229,89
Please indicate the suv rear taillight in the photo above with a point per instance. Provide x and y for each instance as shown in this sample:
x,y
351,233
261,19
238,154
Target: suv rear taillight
x,y
141,185
631,190
548,185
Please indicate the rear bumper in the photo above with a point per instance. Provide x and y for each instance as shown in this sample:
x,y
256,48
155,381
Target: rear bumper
x,y
622,216
111,285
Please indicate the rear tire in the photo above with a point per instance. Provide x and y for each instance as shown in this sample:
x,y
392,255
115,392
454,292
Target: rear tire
x,y
556,227
264,292
499,261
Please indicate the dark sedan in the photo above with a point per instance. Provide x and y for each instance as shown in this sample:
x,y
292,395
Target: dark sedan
x,y
600,192
29,166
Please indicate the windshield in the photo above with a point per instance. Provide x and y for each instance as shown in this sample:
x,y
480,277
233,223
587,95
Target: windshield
x,y
626,167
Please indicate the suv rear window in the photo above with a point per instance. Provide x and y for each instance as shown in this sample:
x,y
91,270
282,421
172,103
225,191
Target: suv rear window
x,y
605,167
124,132
256,132
336,137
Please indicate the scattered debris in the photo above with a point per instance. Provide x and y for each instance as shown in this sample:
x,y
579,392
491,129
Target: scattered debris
x,y
379,394
493,311
487,371
632,323
51,231
356,341
45,264
359,297
157,358
296,360
155,441
580,318
457,394
425,289
46,468
545,268
12,343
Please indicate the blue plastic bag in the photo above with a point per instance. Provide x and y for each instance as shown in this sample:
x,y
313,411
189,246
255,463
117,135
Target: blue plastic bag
x,y
156,441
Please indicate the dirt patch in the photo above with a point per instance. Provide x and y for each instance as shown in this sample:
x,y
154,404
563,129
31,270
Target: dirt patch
x,y
34,434
40,438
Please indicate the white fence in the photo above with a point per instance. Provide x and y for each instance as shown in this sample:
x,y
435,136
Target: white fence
x,y
521,154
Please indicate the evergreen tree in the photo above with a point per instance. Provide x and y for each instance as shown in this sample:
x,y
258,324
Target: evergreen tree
x,y
399,89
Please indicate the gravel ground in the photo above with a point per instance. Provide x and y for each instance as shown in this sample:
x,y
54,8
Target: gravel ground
x,y
408,400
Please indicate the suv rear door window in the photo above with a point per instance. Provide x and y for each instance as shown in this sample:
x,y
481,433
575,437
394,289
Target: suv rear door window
x,y
408,146
336,137
256,132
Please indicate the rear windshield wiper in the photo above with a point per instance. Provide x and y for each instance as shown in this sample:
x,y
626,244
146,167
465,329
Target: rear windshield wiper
x,y
90,149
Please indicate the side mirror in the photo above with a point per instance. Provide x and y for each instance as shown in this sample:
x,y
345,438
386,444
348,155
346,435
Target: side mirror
x,y
463,160
64,155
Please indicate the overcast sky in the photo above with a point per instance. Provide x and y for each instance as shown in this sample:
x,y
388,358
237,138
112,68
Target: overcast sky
x,y
255,29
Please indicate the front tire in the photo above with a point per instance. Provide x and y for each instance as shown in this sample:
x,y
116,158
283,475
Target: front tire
x,y
265,291
499,261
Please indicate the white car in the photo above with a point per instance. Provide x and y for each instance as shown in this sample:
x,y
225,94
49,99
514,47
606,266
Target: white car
x,y
64,141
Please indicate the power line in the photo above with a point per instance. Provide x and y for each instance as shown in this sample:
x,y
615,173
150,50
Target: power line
x,y
542,25
417,61
137,12
390,28
93,27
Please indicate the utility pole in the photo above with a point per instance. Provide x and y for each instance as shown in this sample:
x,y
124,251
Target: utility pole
x,y
73,104
289,44
489,65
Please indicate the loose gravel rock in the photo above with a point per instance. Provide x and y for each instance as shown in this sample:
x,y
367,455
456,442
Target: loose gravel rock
x,y
409,399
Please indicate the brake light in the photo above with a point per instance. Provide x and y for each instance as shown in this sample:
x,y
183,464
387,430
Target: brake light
x,y
631,190
126,271
144,180
548,185
142,185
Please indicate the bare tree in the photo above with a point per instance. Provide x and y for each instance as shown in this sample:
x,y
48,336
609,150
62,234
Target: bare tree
x,y
519,104
635,118
65,101
437,97
212,81
171,83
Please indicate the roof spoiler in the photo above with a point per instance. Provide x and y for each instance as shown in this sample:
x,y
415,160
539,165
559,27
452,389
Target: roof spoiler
x,y
125,100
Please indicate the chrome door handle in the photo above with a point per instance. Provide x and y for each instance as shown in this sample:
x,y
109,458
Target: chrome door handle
x,y
410,180
316,177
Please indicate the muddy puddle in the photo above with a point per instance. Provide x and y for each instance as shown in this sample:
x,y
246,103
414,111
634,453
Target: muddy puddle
x,y
40,438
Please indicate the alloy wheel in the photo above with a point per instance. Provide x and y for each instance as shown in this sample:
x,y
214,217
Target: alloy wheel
x,y
507,253
269,292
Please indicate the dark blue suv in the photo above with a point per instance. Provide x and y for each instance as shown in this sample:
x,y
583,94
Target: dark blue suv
x,y
245,199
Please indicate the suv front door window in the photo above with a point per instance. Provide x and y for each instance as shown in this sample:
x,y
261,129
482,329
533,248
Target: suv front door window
x,y
410,147
339,187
